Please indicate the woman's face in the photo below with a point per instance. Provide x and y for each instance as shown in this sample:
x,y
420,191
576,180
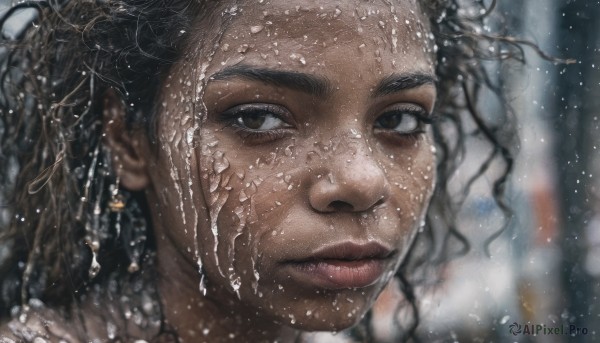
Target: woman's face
x,y
294,159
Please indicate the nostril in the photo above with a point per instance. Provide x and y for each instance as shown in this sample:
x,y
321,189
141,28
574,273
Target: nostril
x,y
340,206
379,202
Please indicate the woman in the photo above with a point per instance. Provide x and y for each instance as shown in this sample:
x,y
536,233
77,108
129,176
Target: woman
x,y
186,170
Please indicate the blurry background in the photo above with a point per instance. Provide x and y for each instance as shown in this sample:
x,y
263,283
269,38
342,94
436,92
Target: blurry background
x,y
544,270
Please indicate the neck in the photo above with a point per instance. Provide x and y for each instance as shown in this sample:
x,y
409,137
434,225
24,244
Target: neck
x,y
217,317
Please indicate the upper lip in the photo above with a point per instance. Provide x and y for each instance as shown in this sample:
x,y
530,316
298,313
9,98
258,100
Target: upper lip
x,y
350,251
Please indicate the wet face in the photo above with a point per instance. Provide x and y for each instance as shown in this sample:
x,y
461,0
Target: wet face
x,y
294,160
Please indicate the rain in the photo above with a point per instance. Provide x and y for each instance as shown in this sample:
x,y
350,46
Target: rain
x,y
301,171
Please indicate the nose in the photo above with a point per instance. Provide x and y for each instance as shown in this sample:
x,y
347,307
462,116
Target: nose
x,y
353,185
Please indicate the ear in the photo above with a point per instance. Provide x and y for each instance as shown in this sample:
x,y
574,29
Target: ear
x,y
129,151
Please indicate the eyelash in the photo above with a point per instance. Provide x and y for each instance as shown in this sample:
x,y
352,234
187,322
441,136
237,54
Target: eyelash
x,y
232,116
420,114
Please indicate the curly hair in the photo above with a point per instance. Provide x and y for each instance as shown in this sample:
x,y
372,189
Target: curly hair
x,y
56,176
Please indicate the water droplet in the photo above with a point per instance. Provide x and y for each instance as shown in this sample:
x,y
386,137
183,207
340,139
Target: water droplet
x,y
256,29
288,151
94,267
298,57
235,285
221,163
330,178
111,330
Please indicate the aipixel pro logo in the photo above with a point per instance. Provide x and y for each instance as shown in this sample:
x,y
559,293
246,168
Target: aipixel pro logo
x,y
541,329
515,328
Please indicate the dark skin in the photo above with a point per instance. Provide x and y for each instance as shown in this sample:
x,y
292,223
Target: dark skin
x,y
382,169
303,130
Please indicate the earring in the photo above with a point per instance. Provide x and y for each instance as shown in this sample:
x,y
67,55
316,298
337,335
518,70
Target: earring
x,y
129,222
94,224
117,202
134,232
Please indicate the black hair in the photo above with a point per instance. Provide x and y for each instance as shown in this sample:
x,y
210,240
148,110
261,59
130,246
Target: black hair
x,y
56,176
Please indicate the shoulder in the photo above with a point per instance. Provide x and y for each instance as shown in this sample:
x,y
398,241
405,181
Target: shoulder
x,y
94,321
40,325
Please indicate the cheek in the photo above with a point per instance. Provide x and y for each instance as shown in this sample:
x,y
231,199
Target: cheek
x,y
412,178
181,206
411,174
248,195
257,208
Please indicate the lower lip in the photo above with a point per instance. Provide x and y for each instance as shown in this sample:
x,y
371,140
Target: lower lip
x,y
339,274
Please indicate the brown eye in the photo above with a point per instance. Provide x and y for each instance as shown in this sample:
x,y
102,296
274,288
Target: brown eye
x,y
403,122
257,117
260,121
389,121
253,121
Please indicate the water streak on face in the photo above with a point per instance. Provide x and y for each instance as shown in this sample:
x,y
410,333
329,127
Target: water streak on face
x,y
298,152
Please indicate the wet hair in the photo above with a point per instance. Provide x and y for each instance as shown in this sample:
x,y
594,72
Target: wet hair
x,y
57,182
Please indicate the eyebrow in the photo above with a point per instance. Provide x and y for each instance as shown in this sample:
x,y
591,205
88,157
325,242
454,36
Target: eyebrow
x,y
317,85
314,85
399,82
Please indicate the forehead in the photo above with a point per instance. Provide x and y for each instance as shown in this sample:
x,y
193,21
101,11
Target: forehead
x,y
309,17
319,36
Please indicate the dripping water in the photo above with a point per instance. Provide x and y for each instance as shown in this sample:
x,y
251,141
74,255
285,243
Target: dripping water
x,y
199,116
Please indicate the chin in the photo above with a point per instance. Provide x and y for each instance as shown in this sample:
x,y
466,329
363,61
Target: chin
x,y
339,323
325,317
